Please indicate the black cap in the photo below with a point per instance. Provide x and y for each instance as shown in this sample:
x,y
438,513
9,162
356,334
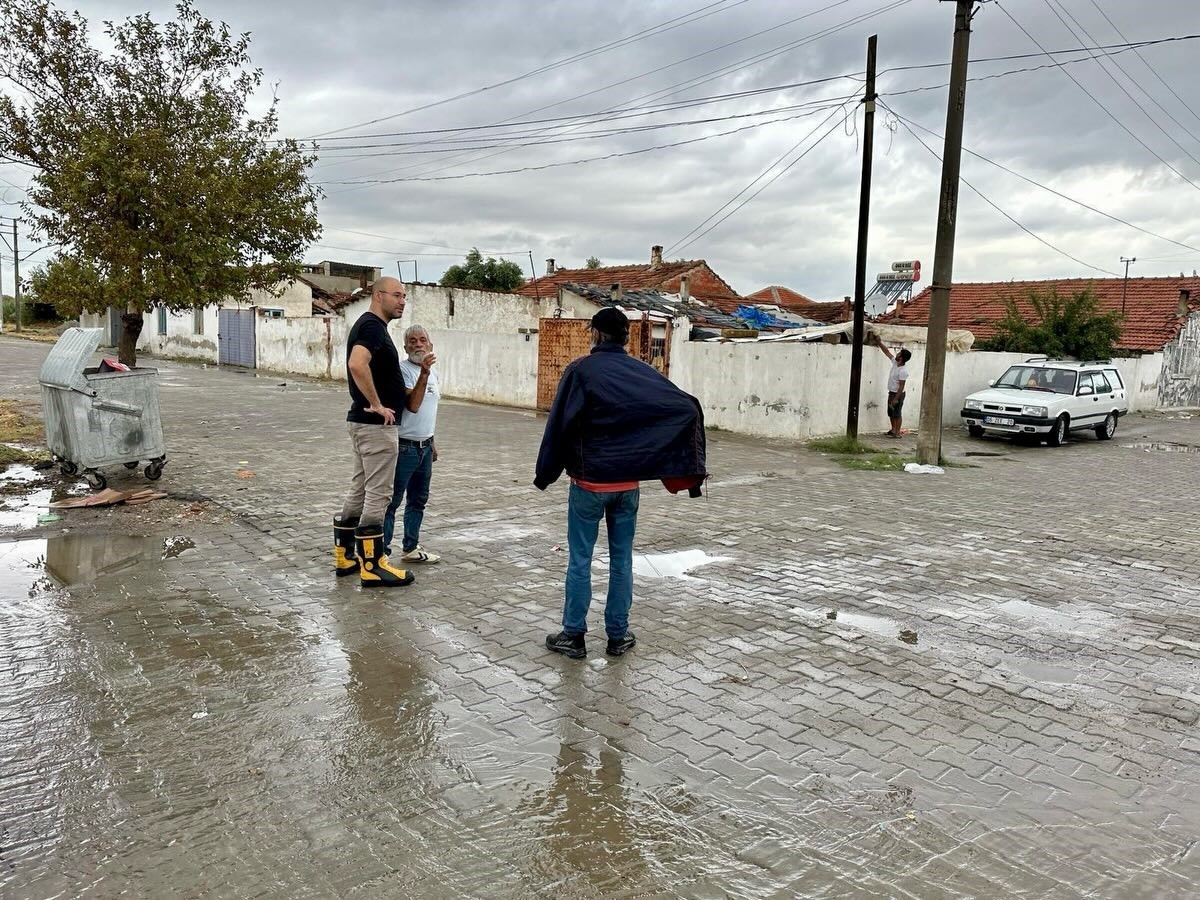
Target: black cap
x,y
611,321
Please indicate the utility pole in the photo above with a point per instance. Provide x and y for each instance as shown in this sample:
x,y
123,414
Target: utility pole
x,y
17,275
1125,287
860,265
929,440
1,297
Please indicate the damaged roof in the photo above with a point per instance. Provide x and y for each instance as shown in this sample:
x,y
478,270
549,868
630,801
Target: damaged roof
x,y
656,302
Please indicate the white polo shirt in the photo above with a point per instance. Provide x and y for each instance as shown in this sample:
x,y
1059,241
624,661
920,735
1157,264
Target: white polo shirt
x,y
419,425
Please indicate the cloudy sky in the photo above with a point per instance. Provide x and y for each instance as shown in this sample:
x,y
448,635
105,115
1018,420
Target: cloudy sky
x,y
413,100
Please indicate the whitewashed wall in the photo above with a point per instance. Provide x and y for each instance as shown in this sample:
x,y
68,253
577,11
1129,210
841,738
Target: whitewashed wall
x,y
473,365
1179,378
181,340
460,309
797,391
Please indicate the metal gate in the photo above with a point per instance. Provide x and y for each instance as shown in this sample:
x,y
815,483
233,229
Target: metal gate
x,y
562,340
235,337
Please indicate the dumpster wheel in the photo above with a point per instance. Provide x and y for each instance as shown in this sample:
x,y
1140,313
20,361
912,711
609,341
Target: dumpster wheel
x,y
68,468
155,469
95,480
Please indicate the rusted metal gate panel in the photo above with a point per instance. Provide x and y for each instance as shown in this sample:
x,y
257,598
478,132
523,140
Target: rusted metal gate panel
x,y
562,340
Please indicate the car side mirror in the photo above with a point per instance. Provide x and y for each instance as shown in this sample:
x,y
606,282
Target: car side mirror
x,y
992,383
1085,391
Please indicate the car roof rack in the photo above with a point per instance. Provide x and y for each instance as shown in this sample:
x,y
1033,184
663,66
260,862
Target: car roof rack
x,y
1038,359
1096,362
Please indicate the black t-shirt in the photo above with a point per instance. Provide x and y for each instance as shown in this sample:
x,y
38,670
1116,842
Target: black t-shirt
x,y
371,332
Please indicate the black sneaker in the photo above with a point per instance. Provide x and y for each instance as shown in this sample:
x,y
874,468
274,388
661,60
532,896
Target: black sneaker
x,y
618,646
569,645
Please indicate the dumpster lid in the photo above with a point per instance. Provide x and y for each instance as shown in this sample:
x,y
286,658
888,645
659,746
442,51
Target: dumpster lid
x,y
68,358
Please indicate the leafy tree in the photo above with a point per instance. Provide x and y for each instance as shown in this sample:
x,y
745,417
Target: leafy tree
x,y
484,275
150,171
71,285
1060,327
592,262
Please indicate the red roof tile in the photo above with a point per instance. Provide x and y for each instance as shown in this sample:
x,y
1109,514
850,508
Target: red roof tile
x,y
1152,317
704,284
780,296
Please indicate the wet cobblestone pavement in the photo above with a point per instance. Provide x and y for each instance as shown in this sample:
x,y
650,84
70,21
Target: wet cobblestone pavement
x,y
976,685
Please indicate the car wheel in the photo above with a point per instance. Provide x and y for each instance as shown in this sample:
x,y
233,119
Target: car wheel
x,y
975,431
1058,434
1106,429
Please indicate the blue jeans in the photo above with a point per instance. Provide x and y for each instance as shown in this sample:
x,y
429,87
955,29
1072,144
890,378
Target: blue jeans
x,y
585,509
414,470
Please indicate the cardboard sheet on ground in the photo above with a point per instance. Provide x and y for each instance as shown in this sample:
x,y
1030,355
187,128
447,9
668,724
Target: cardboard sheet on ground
x,y
110,497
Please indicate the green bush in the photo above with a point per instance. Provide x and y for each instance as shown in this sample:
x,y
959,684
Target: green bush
x,y
1060,327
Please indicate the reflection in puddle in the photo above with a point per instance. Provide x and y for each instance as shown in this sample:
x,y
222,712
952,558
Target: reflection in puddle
x,y
1167,446
880,625
22,512
1054,619
673,565
174,547
20,473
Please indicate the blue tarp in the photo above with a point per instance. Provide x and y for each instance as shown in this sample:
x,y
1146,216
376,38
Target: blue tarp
x,y
757,318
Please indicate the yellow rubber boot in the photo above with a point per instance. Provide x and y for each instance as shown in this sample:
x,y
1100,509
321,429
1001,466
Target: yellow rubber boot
x,y
345,557
374,568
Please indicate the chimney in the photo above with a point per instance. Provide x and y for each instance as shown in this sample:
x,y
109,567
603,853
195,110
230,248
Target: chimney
x,y
685,288
550,266
616,294
847,308
655,257
1185,302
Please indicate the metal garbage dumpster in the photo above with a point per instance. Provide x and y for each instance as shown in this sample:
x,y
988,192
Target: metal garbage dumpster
x,y
96,419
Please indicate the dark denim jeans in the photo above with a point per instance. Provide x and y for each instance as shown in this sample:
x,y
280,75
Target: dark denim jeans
x,y
414,470
619,511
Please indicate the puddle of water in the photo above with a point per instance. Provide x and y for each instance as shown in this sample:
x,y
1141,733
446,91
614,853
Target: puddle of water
x,y
22,565
1166,446
174,547
1054,619
21,512
1039,671
880,625
20,473
673,565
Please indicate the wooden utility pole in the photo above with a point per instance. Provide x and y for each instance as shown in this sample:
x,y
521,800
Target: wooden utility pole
x,y
16,276
929,440
860,265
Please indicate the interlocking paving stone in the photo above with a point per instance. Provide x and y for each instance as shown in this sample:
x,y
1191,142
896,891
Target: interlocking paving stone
x,y
234,721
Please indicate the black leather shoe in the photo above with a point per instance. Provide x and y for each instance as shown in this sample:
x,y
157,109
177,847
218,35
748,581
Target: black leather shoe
x,y
618,646
569,645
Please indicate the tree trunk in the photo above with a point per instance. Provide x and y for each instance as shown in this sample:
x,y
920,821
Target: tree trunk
x,y
131,330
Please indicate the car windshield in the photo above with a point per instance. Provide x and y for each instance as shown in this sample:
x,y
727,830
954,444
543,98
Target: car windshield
x,y
1038,378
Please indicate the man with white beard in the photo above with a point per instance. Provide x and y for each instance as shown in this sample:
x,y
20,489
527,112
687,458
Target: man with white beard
x,y
418,453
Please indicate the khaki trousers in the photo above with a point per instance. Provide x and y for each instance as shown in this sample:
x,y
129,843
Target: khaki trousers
x,y
376,449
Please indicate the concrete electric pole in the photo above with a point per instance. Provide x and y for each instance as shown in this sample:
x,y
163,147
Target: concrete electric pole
x,y
929,440
860,266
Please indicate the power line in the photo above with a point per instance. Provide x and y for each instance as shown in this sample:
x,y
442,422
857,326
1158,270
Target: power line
x,y
708,76
603,48
1105,109
370,250
989,202
388,237
574,162
1124,90
1038,184
1146,64
612,132
683,243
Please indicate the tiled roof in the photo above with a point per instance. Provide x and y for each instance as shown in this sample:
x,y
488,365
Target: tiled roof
x,y
638,278
780,296
1152,317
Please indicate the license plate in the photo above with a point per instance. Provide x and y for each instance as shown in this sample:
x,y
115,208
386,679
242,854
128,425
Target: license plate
x,y
996,420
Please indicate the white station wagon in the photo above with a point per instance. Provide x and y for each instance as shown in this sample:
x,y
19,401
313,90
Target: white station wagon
x,y
1046,399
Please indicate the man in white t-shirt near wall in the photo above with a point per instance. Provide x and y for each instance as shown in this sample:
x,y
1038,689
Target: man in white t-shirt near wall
x,y
897,379
418,453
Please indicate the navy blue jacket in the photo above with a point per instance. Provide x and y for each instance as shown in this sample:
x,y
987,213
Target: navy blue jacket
x,y
617,419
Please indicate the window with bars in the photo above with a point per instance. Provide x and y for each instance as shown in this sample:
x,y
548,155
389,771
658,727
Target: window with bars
x,y
162,320
198,321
